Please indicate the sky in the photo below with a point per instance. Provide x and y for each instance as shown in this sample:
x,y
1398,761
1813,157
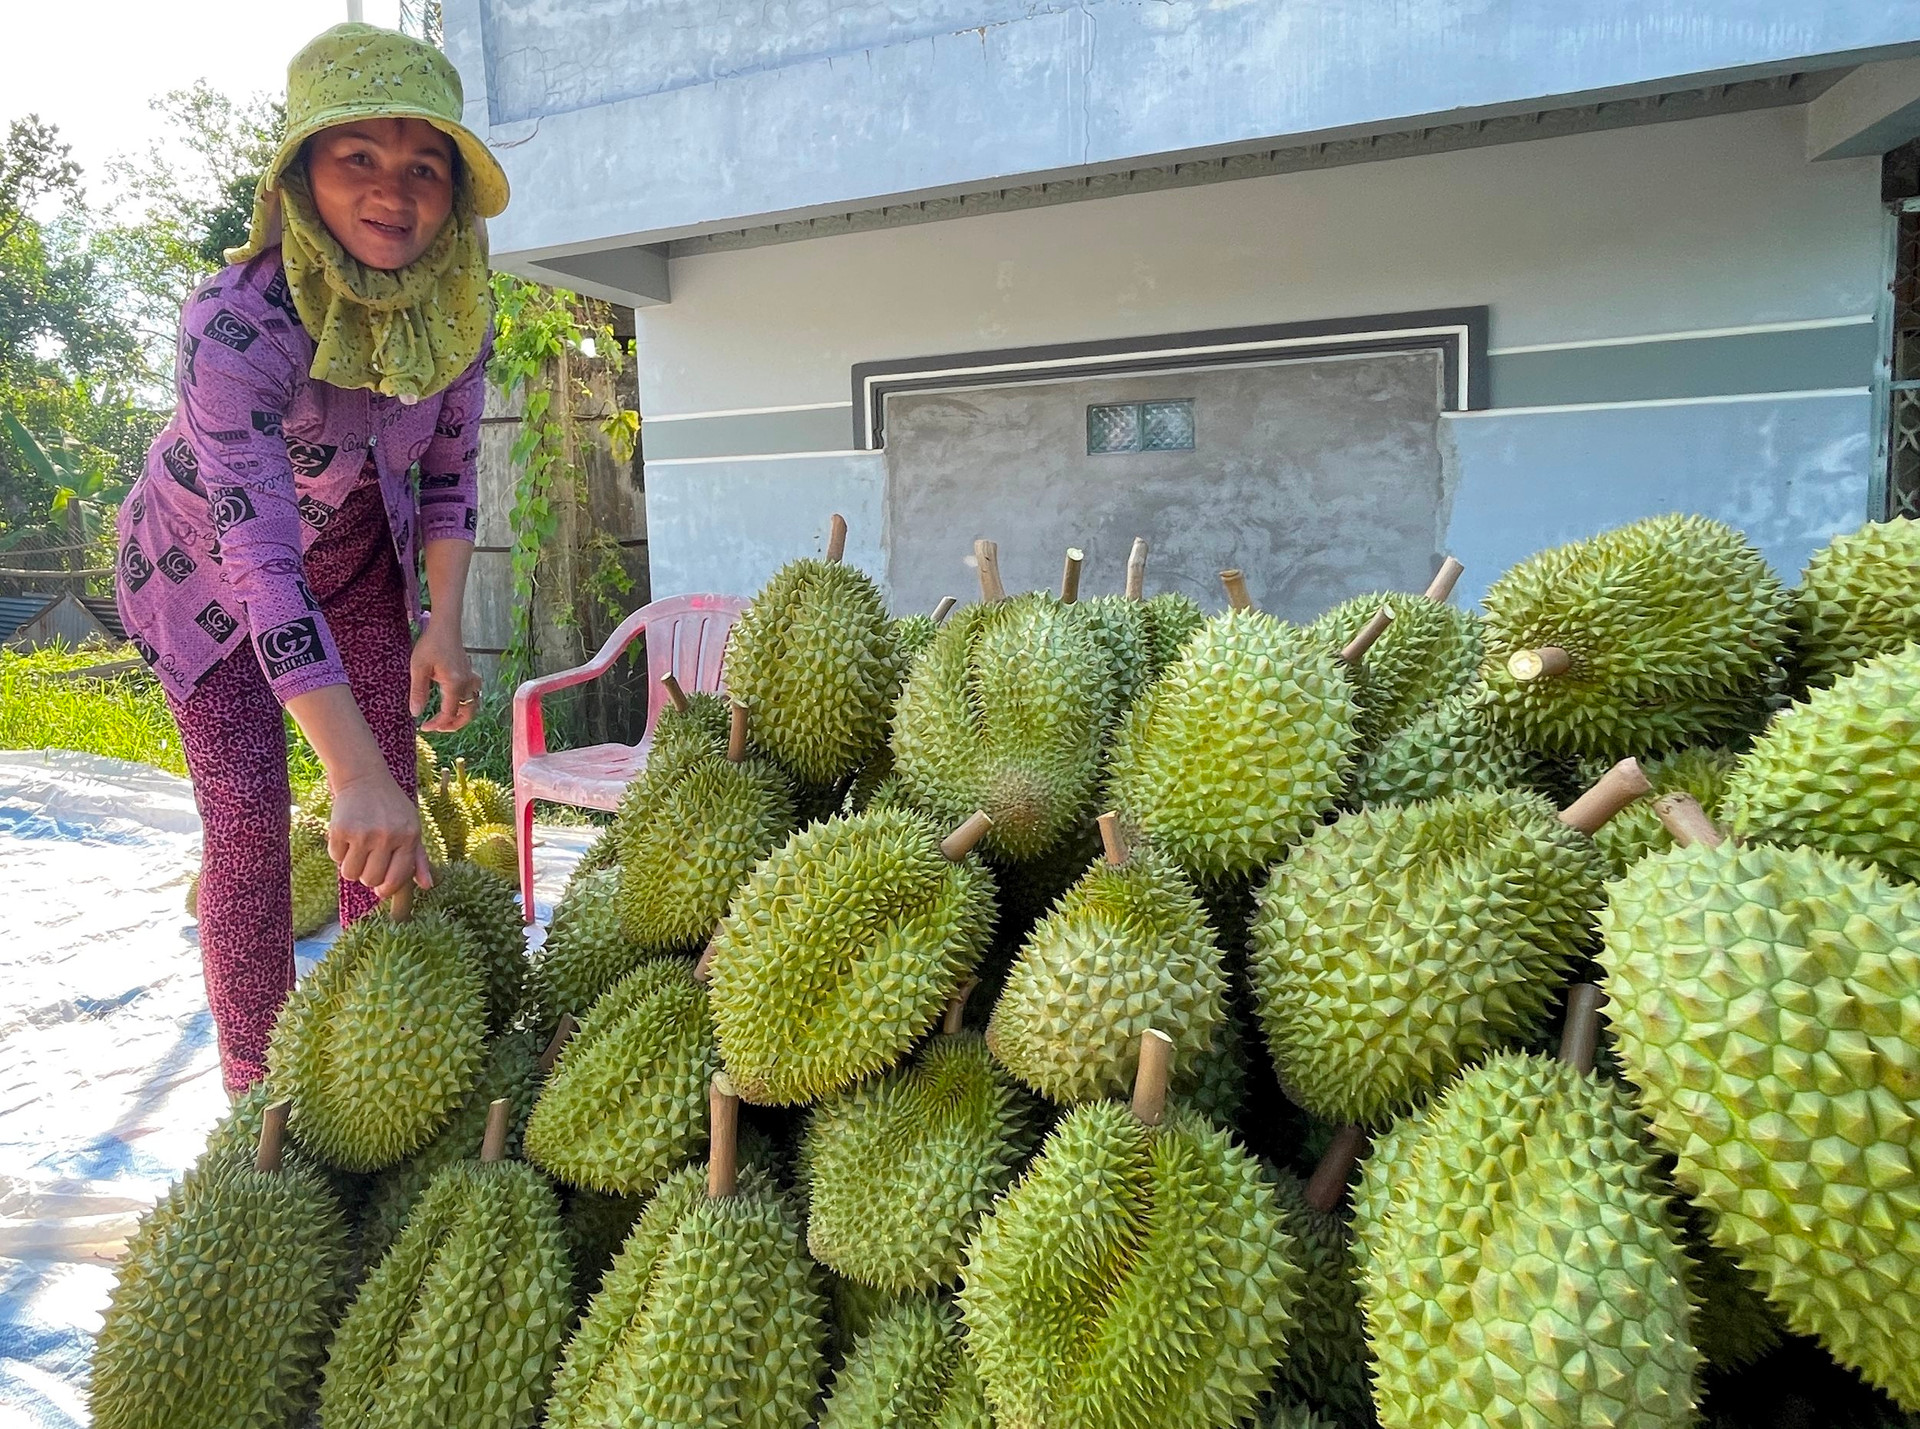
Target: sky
x,y
90,66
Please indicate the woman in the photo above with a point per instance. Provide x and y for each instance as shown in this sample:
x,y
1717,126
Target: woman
x,y
329,386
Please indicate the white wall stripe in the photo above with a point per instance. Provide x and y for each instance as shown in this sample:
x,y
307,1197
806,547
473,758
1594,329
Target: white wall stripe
x,y
1659,402
755,456
749,411
1751,329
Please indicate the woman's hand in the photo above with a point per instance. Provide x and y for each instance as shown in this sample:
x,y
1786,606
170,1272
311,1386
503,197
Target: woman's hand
x,y
439,658
374,835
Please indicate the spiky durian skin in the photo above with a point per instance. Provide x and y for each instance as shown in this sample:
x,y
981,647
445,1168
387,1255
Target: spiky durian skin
x,y
1432,650
1006,711
1400,943
426,763
1841,771
1762,1000
512,1074
1636,830
226,1296
489,912
1291,1414
911,635
316,893
1326,1355
1134,1277
596,1226
627,1101
901,1168
586,952
1733,1324
1171,620
910,1371
1123,630
709,1316
485,801
1523,1266
1234,751
1447,748
694,833
1675,626
449,818
840,950
431,839
378,1044
814,657
462,1321
494,848
1858,598
1127,948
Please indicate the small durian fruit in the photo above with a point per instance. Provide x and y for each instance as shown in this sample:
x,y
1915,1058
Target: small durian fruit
x,y
900,1168
1764,1004
1667,632
1006,711
462,1320
1127,948
1430,651
596,1225
426,763
854,1309
1140,1274
627,1101
914,633
1400,944
484,801
841,949
814,656
226,1295
695,828
1636,830
1841,771
1172,619
383,1039
1236,750
1733,1324
431,838
1326,1357
1447,748
1120,626
1858,598
910,1371
449,818
1521,1262
316,893
494,848
586,951
710,1317
488,911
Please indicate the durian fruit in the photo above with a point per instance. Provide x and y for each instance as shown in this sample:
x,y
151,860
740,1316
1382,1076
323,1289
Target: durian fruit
x,y
1521,1262
1447,748
1667,632
900,1168
1285,1413
1172,619
695,827
1859,598
626,1102
225,1298
1636,830
910,1371
426,763
1326,1356
431,839
1841,771
814,657
494,848
487,910
1127,948
483,800
914,633
586,951
383,1039
1399,944
854,1309
1431,650
316,881
1138,1275
1006,711
449,818
462,1320
1733,1324
1122,629
596,1226
710,1317
841,949
1239,746
1764,1008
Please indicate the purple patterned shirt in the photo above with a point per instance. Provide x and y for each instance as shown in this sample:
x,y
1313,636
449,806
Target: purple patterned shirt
x,y
258,457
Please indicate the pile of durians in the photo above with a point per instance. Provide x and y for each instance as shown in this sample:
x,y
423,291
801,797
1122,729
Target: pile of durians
x,y
1093,1013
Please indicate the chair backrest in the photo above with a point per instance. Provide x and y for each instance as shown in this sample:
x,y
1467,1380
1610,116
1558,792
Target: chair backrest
x,y
687,634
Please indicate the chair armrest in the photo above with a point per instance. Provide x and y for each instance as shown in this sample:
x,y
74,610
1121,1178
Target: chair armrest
x,y
529,718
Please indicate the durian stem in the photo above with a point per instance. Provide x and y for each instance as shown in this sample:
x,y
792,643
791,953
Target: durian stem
x,y
986,555
1355,650
703,965
1580,1038
460,771
1444,580
1113,840
957,1007
1137,570
1687,821
958,844
674,692
1150,1082
1070,576
1235,583
1546,662
558,1043
1328,1184
1611,793
737,733
400,906
944,609
723,1153
273,1137
446,778
836,537
493,1146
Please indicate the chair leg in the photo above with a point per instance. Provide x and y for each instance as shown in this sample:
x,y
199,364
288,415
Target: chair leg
x,y
523,838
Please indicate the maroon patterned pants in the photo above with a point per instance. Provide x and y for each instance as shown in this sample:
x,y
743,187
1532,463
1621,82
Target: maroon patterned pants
x,y
236,749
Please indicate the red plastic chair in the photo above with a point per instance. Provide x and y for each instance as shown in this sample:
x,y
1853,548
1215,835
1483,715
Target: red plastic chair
x,y
686,635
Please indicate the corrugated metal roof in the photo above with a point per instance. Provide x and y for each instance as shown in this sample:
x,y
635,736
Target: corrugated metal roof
x,y
17,610
103,609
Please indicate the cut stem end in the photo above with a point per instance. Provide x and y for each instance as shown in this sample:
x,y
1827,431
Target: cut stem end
x,y
672,686
1355,650
273,1137
1444,580
1613,791
1150,1082
1580,1038
737,733
1070,575
1542,664
1113,840
986,556
958,844
723,1155
1137,569
1328,1184
1686,821
558,1043
493,1146
836,537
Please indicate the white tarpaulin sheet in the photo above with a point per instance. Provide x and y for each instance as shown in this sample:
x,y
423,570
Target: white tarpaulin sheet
x,y
109,1076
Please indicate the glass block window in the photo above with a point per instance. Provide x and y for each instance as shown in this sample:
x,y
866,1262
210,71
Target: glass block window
x,y
1903,440
1162,426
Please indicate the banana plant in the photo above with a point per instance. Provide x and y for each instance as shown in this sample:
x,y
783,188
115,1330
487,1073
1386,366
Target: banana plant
x,y
82,489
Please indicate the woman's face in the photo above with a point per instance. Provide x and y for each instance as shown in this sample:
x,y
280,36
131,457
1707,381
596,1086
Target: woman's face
x,y
383,187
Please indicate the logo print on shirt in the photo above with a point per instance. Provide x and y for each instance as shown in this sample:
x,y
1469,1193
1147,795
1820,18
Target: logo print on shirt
x,y
446,426
306,594
289,647
176,565
281,296
445,481
316,513
182,463
137,510
267,423
228,327
230,506
216,622
147,652
310,458
473,518
189,345
135,567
